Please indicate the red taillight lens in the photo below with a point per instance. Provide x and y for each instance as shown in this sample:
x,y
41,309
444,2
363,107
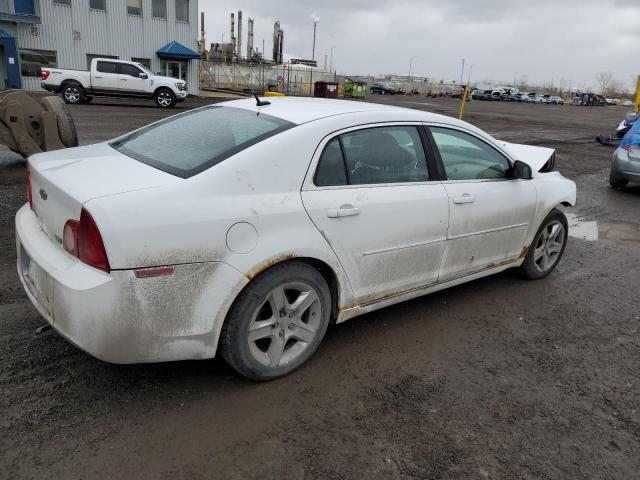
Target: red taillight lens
x,y
626,148
29,193
89,243
45,74
70,237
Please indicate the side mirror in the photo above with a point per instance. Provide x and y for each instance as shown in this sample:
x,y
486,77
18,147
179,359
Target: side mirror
x,y
521,170
144,76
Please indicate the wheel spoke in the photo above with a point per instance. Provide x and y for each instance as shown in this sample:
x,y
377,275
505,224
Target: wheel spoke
x,y
303,332
303,302
555,231
555,248
261,330
278,301
538,253
275,351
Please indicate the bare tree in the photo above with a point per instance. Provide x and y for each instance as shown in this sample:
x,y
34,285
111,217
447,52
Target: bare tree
x,y
604,80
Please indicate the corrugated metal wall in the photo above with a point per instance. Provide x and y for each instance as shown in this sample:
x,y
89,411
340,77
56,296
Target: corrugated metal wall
x,y
75,31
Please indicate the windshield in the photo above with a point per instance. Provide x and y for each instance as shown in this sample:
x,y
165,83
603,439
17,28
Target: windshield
x,y
187,144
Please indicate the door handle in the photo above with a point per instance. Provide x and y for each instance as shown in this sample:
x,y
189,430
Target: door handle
x,y
97,77
123,79
465,198
343,211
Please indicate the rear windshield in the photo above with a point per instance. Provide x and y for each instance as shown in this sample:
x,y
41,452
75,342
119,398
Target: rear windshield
x,y
188,144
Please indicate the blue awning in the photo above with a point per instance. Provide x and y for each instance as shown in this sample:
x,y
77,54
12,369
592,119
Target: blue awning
x,y
177,50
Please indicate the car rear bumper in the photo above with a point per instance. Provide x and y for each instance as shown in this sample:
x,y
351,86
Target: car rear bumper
x,y
624,168
117,317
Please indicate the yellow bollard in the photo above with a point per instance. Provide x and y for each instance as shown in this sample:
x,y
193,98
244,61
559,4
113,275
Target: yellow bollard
x,y
464,100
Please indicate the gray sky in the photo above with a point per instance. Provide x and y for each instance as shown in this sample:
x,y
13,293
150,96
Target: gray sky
x,y
543,40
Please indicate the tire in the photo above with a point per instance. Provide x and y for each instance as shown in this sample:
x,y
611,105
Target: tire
x,y
72,93
165,98
547,248
617,182
66,125
274,350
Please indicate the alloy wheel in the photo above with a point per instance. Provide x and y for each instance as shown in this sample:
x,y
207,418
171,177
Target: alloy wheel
x,y
285,324
549,246
164,99
72,94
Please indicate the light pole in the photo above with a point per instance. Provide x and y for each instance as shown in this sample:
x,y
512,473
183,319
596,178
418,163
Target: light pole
x,y
222,40
469,74
462,73
313,51
411,65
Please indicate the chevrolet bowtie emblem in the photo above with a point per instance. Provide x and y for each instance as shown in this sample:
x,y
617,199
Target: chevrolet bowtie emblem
x,y
43,194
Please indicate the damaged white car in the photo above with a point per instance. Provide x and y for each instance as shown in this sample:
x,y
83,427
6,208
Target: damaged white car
x,y
245,228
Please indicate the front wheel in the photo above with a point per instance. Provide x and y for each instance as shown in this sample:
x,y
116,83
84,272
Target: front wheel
x,y
165,98
277,322
547,247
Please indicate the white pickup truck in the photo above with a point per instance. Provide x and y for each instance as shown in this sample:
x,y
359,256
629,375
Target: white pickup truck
x,y
113,78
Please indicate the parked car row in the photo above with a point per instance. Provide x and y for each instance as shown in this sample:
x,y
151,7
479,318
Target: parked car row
x,y
506,95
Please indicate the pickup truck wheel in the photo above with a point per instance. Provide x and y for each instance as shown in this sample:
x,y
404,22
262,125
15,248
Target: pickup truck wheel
x,y
165,98
73,93
66,125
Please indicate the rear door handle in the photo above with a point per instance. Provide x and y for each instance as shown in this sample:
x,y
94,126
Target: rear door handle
x,y
343,211
465,198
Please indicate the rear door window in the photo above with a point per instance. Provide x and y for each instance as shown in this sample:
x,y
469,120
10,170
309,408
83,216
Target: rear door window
x,y
107,67
190,143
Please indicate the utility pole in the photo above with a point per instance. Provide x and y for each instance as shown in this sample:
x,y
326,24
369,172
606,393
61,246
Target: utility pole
x,y
462,73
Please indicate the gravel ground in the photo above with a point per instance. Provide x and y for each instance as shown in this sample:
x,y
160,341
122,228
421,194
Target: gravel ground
x,y
499,378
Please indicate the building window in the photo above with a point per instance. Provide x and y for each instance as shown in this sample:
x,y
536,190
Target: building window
x,y
182,10
32,60
134,7
62,2
98,4
159,9
91,56
174,68
142,61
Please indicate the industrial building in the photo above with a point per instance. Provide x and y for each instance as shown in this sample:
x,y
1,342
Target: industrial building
x,y
161,34
232,52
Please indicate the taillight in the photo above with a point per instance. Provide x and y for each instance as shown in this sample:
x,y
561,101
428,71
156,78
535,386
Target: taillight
x,y
626,148
70,237
83,240
90,246
45,74
29,193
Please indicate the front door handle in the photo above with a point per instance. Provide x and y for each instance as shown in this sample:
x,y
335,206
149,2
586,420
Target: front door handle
x,y
343,211
123,79
465,198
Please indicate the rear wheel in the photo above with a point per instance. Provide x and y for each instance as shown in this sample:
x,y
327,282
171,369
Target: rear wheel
x,y
66,125
165,98
547,247
617,182
277,322
73,93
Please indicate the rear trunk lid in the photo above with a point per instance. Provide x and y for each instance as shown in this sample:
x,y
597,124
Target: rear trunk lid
x,y
63,180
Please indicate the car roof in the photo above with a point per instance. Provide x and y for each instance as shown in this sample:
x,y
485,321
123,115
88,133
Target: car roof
x,y
300,110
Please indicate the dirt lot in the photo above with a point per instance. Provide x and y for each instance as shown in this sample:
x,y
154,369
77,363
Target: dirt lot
x,y
499,378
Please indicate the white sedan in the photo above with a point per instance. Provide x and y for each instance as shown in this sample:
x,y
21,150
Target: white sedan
x,y
245,228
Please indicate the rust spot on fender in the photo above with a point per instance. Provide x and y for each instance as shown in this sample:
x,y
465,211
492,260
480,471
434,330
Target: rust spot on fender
x,y
268,264
524,251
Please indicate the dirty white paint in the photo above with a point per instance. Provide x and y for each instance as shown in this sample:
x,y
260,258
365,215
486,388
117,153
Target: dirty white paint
x,y
225,226
582,229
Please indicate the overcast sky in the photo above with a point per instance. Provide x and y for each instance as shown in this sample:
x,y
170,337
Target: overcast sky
x,y
542,40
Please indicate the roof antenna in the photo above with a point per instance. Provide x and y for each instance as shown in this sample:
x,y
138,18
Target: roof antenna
x,y
260,103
